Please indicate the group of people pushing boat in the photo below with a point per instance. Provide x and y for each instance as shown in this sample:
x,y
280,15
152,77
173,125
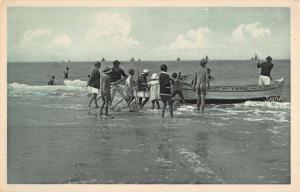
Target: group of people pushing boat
x,y
160,86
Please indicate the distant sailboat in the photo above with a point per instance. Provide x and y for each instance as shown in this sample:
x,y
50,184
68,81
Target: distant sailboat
x,y
206,57
102,60
178,59
132,59
255,57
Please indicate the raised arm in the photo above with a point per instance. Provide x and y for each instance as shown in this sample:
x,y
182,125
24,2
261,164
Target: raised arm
x,y
123,74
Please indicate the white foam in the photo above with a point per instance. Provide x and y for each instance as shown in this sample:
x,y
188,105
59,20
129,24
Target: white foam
x,y
75,83
280,119
42,90
265,104
186,108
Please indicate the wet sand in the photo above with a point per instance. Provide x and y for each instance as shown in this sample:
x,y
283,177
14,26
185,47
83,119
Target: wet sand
x,y
143,148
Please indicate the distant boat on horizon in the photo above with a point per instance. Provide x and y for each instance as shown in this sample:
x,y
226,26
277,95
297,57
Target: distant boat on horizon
x,y
102,60
132,59
178,59
255,57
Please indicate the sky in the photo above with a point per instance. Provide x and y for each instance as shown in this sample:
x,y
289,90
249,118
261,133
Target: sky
x,y
88,34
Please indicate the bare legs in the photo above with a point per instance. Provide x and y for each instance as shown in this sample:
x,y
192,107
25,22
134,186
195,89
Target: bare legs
x,y
144,102
170,107
116,89
104,103
200,102
157,103
94,98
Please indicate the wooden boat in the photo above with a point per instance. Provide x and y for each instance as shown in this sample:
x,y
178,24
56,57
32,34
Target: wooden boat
x,y
235,94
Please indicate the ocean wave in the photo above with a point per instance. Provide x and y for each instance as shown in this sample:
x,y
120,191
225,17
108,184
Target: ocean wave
x,y
68,89
75,83
185,108
265,104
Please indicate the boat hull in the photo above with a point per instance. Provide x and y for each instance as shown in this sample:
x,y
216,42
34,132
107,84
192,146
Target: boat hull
x,y
236,94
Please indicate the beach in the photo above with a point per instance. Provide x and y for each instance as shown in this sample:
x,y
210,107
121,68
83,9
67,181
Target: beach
x,y
52,138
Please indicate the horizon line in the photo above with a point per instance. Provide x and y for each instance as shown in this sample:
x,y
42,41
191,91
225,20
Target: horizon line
x,y
141,60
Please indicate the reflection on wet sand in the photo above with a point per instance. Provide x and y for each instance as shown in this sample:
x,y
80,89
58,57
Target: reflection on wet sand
x,y
190,148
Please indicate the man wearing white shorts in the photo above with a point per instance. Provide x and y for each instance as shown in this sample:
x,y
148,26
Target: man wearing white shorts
x,y
94,84
264,80
265,74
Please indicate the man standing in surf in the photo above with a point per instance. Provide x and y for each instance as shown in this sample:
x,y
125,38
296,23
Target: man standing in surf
x,y
165,90
265,73
200,84
94,84
105,90
115,78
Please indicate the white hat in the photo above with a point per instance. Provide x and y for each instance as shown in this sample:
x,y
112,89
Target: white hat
x,y
146,71
154,76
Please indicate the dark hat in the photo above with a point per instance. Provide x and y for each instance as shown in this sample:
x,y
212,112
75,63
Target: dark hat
x,y
97,64
164,67
106,70
174,75
130,71
268,58
116,62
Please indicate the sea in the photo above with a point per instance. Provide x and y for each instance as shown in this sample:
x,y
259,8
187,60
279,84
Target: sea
x,y
53,138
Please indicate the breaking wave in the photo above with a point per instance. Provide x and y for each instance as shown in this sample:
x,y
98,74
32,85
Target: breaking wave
x,y
266,104
70,88
75,83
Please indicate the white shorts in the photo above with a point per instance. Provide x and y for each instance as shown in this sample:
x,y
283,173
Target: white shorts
x,y
264,80
143,94
93,90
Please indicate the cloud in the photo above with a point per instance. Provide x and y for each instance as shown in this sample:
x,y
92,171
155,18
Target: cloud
x,y
42,39
32,37
193,39
110,30
251,31
61,41
43,44
189,45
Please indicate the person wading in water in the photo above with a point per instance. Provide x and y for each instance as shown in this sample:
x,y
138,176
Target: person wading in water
x,y
51,81
200,83
66,73
165,90
94,84
115,78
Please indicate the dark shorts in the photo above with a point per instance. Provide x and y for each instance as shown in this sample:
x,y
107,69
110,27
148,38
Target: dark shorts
x,y
106,97
166,98
201,91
